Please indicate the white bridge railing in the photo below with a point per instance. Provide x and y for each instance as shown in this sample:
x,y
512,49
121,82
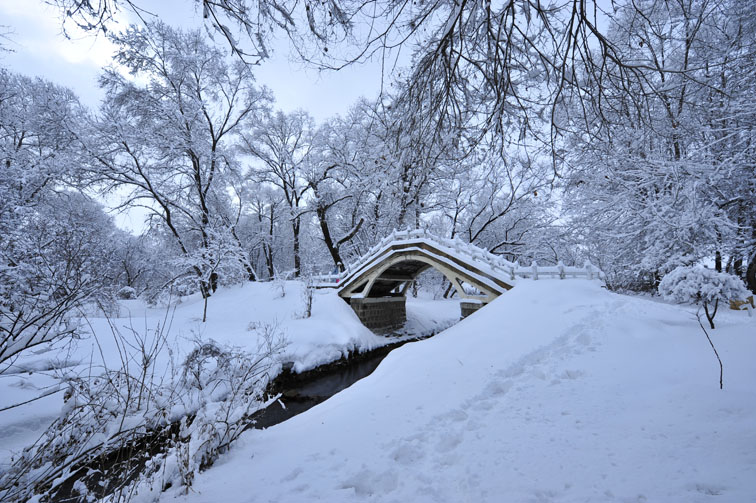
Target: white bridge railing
x,y
467,252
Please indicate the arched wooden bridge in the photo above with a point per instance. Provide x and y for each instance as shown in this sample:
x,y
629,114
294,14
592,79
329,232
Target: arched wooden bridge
x,y
375,286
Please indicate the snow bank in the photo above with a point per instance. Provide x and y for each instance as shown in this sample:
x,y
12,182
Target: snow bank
x,y
557,391
331,332
233,314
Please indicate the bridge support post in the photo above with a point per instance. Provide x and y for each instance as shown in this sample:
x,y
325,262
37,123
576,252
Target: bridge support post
x,y
380,314
468,307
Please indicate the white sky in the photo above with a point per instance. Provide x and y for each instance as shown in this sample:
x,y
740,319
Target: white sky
x,y
40,49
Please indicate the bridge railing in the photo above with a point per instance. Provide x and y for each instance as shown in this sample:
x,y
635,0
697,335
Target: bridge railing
x,y
470,252
327,280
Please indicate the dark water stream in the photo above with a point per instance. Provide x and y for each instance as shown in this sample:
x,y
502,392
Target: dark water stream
x,y
300,392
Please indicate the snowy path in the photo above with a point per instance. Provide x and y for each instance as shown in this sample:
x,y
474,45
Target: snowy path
x,y
549,395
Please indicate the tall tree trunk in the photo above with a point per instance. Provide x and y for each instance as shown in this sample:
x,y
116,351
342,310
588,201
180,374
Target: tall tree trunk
x,y
251,276
268,252
738,267
297,260
244,259
448,293
333,249
268,246
751,273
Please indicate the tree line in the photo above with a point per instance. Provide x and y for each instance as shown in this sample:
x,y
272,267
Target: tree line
x,y
622,134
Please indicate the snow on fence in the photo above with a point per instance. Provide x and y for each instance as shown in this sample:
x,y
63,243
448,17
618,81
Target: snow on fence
x,y
465,252
327,280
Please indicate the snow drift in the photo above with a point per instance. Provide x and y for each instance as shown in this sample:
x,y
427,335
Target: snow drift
x,y
557,391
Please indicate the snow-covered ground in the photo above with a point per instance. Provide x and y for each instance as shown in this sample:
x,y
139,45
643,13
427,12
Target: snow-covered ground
x,y
559,391
332,331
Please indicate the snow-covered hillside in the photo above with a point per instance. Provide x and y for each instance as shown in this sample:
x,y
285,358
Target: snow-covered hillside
x,y
559,391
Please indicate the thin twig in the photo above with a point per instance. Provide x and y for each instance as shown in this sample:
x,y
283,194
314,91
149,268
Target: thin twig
x,y
52,392
721,369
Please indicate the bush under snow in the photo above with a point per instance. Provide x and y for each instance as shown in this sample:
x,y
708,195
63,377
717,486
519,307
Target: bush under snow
x,y
699,285
126,293
127,433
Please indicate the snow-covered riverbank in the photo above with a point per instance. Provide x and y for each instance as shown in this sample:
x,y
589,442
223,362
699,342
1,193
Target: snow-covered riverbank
x,y
556,392
235,315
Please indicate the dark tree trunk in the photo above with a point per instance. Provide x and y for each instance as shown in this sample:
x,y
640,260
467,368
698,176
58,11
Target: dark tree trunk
x,y
448,293
244,258
268,246
297,260
269,260
205,288
251,276
751,274
333,249
710,315
738,267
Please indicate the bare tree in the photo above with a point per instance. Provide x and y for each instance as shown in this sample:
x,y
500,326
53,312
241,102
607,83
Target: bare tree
x,y
284,143
170,142
661,165
474,62
54,242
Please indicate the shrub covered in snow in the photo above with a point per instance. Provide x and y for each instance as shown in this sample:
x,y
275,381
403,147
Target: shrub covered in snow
x,y
135,430
699,285
126,293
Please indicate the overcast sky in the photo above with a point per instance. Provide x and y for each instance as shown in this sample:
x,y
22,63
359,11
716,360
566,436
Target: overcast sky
x,y
40,49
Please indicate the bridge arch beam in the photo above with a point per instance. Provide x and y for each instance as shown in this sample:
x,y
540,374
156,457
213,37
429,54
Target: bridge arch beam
x,y
403,262
454,275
